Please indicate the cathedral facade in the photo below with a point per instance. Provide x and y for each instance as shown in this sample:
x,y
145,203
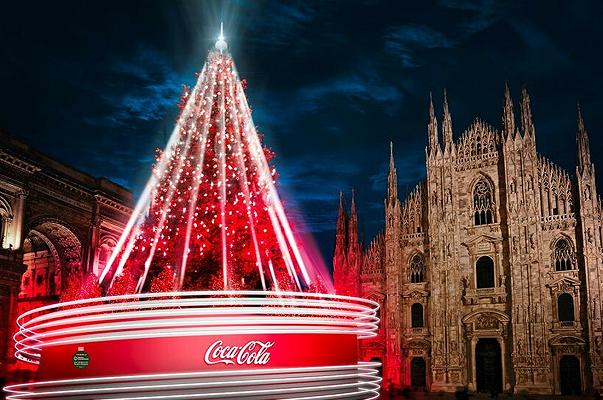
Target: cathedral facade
x,y
490,273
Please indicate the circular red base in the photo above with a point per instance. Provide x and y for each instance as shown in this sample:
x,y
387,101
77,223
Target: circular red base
x,y
199,345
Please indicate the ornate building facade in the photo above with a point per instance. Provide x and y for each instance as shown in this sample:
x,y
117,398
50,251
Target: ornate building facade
x,y
490,273
55,221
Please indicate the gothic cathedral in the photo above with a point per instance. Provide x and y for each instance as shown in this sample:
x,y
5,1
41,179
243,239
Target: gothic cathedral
x,y
490,273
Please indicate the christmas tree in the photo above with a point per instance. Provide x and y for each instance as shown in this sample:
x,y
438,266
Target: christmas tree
x,y
210,217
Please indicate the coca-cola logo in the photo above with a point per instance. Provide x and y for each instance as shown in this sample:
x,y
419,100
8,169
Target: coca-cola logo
x,y
253,352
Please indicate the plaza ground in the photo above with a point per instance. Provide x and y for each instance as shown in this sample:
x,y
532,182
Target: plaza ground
x,y
480,396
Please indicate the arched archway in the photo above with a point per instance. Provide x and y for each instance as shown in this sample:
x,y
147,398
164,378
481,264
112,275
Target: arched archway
x,y
51,252
42,278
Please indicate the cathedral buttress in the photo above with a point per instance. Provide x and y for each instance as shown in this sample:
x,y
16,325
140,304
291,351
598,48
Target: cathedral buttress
x,y
591,246
393,360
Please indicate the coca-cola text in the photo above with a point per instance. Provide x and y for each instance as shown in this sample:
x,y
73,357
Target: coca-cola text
x,y
254,352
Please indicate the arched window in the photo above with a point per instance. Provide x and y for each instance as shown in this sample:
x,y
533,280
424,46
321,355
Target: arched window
x,y
483,204
563,256
565,307
416,312
417,269
5,214
484,272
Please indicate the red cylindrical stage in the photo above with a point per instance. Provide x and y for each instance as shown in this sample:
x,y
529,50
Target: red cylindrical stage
x,y
186,345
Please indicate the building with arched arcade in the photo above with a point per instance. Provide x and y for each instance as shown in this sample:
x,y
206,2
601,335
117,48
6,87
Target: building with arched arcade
x,y
490,273
55,221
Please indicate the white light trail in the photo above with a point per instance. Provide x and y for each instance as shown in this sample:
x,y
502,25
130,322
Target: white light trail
x,y
222,167
244,184
359,381
192,314
256,146
167,204
283,246
274,280
145,199
196,183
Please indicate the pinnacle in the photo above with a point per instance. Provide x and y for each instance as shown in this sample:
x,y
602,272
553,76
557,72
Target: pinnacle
x,y
581,127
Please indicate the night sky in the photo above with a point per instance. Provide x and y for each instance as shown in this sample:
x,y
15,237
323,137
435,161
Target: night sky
x,y
95,83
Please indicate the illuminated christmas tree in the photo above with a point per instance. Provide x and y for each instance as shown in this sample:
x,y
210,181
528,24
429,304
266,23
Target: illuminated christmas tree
x,y
210,217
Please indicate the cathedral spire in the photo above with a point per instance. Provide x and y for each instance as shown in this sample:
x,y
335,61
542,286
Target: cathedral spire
x,y
583,145
340,240
447,125
392,179
527,125
340,268
508,118
432,129
353,225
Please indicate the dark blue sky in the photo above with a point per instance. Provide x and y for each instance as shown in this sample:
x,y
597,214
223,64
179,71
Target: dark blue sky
x,y
95,83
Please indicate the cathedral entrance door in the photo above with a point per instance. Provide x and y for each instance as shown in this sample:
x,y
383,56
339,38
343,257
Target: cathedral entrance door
x,y
488,366
417,372
569,375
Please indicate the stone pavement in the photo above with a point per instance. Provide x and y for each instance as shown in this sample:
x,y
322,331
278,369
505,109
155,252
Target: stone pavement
x,y
480,396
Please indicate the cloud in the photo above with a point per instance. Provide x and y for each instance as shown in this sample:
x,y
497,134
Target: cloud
x,y
287,21
317,178
405,41
310,186
153,88
479,14
410,169
539,47
353,86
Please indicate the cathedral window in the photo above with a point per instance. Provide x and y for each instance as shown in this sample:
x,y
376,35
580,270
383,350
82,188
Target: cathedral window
x,y
563,256
483,205
484,272
565,307
417,269
416,313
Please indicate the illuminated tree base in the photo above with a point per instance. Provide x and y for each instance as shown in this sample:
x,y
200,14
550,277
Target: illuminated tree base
x,y
226,345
